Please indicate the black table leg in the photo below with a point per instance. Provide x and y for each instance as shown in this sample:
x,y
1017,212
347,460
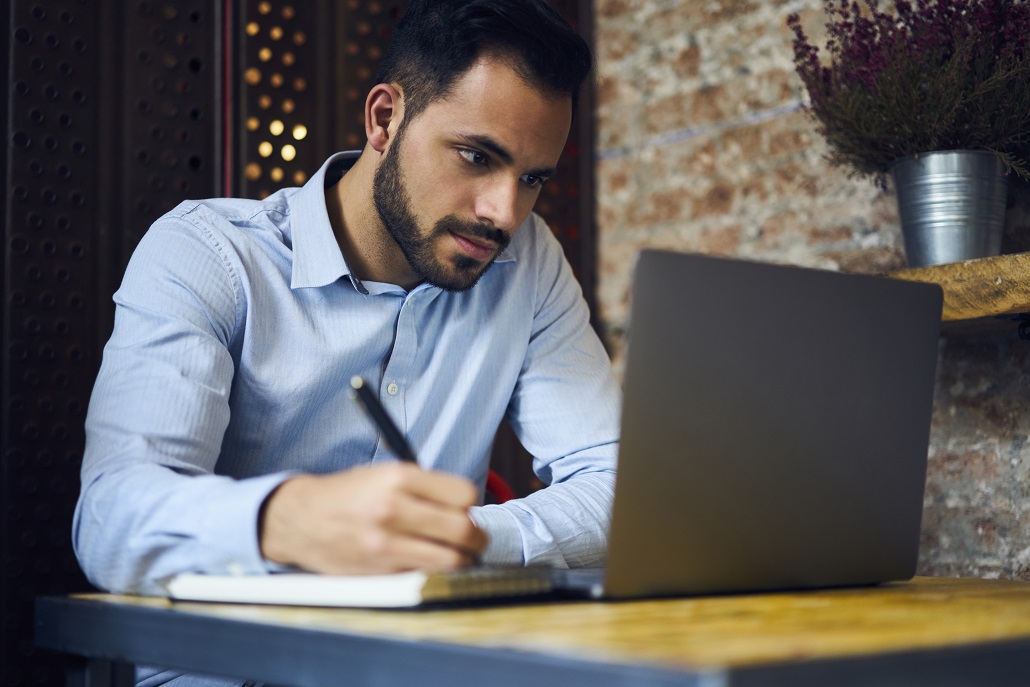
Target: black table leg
x,y
92,672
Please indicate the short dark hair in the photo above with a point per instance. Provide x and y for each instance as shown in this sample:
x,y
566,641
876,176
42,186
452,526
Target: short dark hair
x,y
437,41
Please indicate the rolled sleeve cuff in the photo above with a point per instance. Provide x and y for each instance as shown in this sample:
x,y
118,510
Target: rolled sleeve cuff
x,y
236,520
505,540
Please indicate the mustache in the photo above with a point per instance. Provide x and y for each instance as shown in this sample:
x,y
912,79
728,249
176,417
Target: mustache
x,y
474,230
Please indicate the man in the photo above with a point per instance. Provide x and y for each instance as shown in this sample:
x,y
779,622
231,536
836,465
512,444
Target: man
x,y
221,436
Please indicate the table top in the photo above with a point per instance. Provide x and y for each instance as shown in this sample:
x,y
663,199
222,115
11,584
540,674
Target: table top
x,y
729,639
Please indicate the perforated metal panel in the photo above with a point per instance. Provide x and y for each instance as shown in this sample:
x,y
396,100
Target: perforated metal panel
x,y
364,30
171,116
117,110
281,122
112,107
49,287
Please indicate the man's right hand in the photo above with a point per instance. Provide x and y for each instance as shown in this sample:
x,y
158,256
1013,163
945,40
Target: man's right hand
x,y
372,519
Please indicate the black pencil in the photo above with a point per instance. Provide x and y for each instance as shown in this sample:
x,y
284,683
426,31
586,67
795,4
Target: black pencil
x,y
394,439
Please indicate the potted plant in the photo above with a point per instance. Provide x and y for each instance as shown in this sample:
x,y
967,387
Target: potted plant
x,y
936,95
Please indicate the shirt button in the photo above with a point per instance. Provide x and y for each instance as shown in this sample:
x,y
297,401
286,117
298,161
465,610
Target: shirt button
x,y
392,389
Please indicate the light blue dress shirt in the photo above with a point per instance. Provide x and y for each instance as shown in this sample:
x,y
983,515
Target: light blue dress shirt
x,y
238,326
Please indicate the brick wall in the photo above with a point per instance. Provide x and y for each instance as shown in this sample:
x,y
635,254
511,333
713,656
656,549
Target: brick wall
x,y
703,146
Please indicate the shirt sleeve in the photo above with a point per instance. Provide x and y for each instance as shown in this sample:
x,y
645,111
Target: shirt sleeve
x,y
150,504
565,410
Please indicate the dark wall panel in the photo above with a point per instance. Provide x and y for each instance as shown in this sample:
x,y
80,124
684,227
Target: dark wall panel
x,y
114,118
117,110
284,104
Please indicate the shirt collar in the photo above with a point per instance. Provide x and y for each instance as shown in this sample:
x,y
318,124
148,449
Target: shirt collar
x,y
317,258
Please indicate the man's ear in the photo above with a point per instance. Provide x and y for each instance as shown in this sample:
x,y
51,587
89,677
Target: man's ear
x,y
384,107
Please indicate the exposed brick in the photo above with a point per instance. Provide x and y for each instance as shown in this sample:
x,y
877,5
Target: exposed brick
x,y
688,61
615,42
717,201
723,240
868,260
695,164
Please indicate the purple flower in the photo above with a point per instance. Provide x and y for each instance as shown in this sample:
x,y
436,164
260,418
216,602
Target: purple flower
x,y
929,75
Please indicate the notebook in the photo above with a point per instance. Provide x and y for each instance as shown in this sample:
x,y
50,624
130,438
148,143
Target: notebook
x,y
774,436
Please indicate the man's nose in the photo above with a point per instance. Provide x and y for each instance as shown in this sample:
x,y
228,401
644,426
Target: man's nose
x,y
498,204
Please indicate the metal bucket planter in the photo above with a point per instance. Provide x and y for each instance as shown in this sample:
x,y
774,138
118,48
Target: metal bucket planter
x,y
951,205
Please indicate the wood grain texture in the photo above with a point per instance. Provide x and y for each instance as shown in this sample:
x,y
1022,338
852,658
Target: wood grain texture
x,y
691,633
979,288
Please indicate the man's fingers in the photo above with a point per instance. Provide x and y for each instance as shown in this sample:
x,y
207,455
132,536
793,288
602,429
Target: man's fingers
x,y
435,486
403,552
372,519
429,520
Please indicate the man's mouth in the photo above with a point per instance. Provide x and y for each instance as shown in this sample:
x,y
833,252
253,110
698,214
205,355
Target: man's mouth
x,y
478,249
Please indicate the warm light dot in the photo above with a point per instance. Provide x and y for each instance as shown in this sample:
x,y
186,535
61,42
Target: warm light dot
x,y
300,84
288,106
264,194
252,171
276,127
252,76
264,7
253,123
288,59
265,54
276,174
276,80
288,12
299,38
264,149
253,29
299,177
265,102
300,132
289,152
275,33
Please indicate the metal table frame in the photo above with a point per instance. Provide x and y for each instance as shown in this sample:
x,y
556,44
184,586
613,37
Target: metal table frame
x,y
111,638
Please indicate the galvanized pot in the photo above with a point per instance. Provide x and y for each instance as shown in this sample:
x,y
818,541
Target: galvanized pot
x,y
951,205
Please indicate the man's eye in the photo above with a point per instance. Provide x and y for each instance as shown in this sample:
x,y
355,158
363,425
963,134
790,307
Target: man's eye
x,y
473,156
533,181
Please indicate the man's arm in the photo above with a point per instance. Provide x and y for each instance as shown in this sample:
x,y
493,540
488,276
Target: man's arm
x,y
151,505
565,410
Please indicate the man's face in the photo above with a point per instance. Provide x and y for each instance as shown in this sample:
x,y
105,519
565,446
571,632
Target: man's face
x,y
469,172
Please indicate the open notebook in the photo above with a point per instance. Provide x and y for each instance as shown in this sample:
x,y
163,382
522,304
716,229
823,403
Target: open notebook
x,y
774,436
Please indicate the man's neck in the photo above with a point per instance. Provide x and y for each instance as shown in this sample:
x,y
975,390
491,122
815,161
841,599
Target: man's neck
x,y
370,251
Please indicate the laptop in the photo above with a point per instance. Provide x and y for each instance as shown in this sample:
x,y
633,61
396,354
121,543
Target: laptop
x,y
775,428
775,431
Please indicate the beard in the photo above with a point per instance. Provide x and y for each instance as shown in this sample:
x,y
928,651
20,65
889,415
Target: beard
x,y
394,208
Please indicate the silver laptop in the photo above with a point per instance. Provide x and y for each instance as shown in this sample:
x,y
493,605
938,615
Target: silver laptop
x,y
775,428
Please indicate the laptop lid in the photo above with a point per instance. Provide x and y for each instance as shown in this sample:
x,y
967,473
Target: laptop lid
x,y
775,428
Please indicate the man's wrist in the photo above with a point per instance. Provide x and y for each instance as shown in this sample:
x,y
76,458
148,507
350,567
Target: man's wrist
x,y
272,523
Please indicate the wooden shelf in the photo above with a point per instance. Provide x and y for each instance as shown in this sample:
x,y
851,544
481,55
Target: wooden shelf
x,y
984,288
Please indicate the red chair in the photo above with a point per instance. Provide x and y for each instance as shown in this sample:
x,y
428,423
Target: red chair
x,y
496,485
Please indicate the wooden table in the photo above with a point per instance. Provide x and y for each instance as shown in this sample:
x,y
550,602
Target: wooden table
x,y
929,631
